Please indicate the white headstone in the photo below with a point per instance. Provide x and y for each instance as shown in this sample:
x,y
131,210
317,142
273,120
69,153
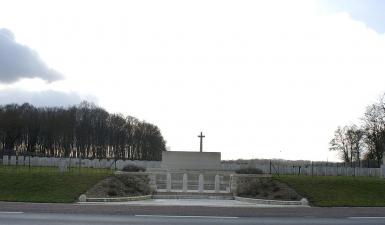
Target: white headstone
x,y
55,161
5,160
50,162
95,163
20,160
63,165
111,163
13,160
44,161
104,163
120,164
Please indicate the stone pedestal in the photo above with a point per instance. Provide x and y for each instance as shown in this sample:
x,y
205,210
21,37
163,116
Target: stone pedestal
x,y
168,187
217,183
201,183
184,182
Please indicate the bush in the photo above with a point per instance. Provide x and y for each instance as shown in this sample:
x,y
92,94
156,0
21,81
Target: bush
x,y
249,170
135,185
133,168
121,185
265,188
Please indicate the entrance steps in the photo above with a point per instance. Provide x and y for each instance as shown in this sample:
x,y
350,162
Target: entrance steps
x,y
193,195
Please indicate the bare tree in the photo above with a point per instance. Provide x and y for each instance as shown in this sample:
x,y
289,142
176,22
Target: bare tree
x,y
374,125
349,142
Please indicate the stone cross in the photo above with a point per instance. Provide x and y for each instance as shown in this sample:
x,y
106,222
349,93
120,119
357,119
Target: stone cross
x,y
201,136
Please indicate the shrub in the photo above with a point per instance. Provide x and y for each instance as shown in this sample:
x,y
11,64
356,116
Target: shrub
x,y
133,168
135,185
249,170
275,189
112,193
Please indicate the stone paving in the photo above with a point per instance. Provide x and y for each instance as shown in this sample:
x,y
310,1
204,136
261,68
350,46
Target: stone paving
x,y
190,202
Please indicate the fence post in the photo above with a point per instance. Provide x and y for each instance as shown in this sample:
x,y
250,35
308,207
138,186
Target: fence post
x,y
337,170
354,174
270,168
299,170
80,162
312,172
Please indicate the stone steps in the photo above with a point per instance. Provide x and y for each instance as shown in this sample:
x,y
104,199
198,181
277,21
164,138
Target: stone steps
x,y
193,195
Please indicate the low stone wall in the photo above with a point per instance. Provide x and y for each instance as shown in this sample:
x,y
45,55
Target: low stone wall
x,y
302,202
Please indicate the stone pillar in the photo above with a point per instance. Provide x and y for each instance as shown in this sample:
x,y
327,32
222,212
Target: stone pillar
x,y
233,183
201,183
152,183
217,183
168,182
184,182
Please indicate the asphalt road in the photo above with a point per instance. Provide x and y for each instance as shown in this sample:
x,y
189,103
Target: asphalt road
x,y
14,218
308,212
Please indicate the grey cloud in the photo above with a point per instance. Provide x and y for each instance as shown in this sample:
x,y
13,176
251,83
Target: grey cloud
x,y
18,61
41,98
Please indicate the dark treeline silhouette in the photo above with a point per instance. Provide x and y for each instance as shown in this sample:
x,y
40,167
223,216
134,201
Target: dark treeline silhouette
x,y
84,130
365,142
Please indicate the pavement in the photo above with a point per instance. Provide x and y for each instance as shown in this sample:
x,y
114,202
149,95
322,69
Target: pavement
x,y
169,209
191,202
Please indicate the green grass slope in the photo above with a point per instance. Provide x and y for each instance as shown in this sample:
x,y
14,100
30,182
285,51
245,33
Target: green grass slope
x,y
46,184
339,191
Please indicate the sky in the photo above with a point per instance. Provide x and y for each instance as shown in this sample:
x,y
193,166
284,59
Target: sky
x,y
261,79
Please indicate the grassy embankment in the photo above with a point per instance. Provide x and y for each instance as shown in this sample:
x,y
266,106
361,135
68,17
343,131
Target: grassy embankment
x,y
338,191
46,184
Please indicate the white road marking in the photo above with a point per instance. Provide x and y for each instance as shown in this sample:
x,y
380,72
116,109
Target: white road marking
x,y
367,217
11,212
209,217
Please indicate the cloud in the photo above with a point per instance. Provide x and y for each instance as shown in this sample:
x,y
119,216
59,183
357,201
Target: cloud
x,y
42,98
19,61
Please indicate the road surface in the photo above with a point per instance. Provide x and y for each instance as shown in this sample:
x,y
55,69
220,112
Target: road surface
x,y
14,213
18,218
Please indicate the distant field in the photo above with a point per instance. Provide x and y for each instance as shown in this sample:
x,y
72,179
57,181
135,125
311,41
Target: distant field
x,y
46,184
338,191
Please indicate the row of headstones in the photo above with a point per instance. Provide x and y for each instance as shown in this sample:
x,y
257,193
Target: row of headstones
x,y
73,162
328,171
316,170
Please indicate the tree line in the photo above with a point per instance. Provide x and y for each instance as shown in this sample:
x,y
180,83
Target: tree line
x,y
84,130
355,143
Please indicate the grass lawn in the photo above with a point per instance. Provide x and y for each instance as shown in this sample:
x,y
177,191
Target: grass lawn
x,y
44,184
338,191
